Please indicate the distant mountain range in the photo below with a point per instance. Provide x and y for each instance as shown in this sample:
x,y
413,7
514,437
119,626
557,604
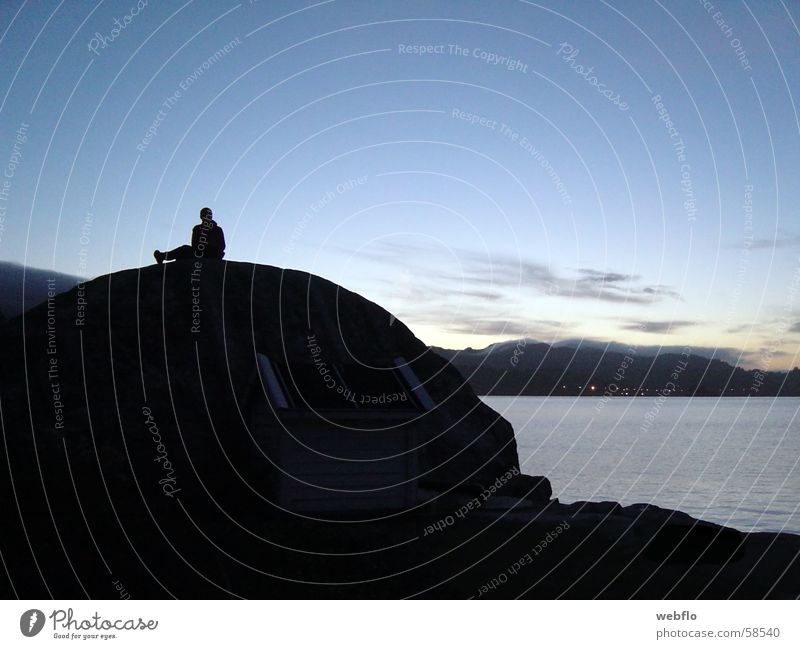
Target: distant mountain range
x,y
533,368
22,288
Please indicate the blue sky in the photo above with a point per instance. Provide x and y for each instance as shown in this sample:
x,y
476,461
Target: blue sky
x,y
457,162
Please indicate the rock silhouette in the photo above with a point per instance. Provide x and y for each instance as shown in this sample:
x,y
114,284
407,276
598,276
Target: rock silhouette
x,y
140,454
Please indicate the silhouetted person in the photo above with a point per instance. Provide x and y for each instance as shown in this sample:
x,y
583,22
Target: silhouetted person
x,y
208,242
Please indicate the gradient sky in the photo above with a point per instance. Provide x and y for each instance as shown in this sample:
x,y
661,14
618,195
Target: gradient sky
x,y
324,142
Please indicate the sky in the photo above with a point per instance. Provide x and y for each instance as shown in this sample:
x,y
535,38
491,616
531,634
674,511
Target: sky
x,y
613,171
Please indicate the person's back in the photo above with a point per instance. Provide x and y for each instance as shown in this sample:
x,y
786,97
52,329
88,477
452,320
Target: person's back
x,y
208,240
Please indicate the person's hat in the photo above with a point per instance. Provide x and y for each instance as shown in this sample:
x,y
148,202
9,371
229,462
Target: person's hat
x,y
206,211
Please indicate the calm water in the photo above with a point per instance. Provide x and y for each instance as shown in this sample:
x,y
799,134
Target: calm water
x,y
732,461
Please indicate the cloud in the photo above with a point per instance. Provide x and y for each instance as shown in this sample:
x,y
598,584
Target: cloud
x,y
661,290
590,284
502,272
492,277
490,328
411,286
592,275
616,287
513,327
658,326
792,241
482,295
754,328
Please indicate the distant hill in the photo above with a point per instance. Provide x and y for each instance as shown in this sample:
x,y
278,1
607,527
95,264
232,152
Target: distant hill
x,y
542,369
22,288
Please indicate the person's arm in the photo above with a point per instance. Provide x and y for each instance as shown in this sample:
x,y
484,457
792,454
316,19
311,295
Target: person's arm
x,y
221,239
195,236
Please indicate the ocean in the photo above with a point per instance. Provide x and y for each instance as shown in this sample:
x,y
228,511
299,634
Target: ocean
x,y
733,461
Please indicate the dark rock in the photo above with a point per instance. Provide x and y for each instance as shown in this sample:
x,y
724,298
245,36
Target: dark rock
x,y
701,543
655,514
138,409
537,489
136,348
606,508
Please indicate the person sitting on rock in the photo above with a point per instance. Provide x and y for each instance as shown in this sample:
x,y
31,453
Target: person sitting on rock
x,y
208,242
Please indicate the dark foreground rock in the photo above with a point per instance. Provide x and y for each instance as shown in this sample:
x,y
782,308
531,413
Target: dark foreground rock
x,y
140,449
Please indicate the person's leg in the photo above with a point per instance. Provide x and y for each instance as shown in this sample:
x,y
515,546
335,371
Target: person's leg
x,y
181,252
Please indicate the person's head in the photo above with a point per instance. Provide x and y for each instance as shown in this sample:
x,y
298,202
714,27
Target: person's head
x,y
206,214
